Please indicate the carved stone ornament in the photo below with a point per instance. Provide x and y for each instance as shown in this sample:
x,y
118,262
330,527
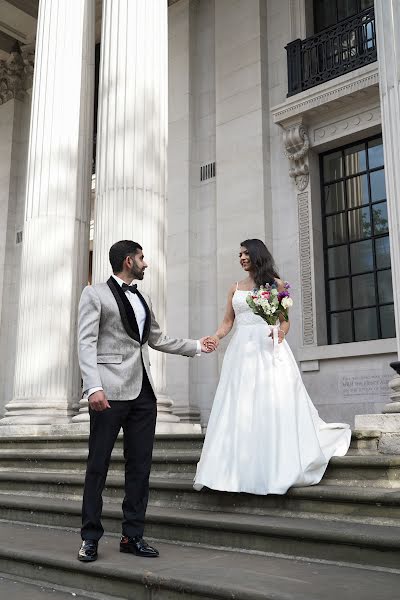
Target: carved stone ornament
x,y
16,74
297,144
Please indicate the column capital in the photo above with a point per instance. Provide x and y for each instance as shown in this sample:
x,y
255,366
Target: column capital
x,y
16,73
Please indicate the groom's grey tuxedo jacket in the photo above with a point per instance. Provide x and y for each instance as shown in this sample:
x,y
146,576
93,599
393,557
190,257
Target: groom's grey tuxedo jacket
x,y
111,353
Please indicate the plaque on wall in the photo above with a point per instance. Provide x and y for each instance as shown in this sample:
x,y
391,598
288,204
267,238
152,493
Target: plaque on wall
x,y
365,383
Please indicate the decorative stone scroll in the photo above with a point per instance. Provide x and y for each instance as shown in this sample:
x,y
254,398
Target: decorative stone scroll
x,y
297,144
16,74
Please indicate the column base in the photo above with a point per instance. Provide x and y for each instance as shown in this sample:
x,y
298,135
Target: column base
x,y
164,409
39,412
53,430
83,414
82,429
187,414
164,415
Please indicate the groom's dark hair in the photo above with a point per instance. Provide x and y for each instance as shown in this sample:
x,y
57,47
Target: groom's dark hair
x,y
119,251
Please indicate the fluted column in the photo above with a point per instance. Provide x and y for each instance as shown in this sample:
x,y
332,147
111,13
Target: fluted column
x,y
132,144
55,236
387,15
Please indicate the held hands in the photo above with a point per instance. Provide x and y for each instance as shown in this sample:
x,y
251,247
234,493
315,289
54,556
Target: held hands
x,y
98,401
209,343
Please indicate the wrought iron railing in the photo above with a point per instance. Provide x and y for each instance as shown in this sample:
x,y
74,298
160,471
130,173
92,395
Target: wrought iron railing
x,y
334,51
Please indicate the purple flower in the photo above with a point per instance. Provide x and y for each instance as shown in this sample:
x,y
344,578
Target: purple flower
x,y
283,294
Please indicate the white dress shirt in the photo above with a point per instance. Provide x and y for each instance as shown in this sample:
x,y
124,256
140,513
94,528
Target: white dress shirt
x,y
140,314
137,306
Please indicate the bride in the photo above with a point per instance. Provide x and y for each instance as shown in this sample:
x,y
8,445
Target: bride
x,y
264,434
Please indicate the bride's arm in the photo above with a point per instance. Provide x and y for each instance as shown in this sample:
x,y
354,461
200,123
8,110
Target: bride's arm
x,y
229,318
284,325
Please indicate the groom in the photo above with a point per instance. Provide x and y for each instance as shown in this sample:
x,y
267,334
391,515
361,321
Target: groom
x,y
116,326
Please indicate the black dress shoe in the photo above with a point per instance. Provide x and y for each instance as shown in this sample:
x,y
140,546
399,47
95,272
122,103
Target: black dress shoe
x,y
137,546
88,551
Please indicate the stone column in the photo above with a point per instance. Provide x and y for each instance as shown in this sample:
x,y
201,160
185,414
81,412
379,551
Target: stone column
x,y
387,14
131,150
55,236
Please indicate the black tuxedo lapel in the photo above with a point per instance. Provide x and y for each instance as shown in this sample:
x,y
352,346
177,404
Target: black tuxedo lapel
x,y
127,313
125,310
147,324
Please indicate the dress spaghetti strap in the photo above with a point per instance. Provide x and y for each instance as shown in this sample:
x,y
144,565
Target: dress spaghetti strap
x,y
237,286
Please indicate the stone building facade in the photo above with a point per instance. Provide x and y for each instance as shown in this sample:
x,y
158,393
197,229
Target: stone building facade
x,y
283,122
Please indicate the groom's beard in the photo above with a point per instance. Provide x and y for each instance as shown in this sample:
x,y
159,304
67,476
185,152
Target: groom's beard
x,y
137,273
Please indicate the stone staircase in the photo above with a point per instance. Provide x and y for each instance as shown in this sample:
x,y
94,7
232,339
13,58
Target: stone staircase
x,y
352,519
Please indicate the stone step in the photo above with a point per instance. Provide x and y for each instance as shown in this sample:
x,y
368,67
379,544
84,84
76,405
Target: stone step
x,y
378,470
165,461
355,543
21,588
330,501
181,571
363,441
366,470
323,501
163,441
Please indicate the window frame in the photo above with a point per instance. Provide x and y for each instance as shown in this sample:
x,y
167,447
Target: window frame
x,y
348,243
316,30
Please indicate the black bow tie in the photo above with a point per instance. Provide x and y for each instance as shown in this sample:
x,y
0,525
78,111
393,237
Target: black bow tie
x,y
130,288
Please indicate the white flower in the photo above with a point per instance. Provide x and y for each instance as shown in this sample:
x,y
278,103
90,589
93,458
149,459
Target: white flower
x,y
287,302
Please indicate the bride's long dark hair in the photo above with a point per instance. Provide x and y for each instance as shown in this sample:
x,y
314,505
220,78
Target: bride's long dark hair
x,y
262,262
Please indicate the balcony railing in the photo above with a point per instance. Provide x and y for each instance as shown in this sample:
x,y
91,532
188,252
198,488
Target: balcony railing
x,y
334,51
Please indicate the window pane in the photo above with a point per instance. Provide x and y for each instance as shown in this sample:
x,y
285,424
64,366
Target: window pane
x,y
382,251
333,166
346,8
361,257
325,15
334,197
338,261
339,294
385,290
375,153
365,324
366,4
378,189
380,218
387,321
359,223
355,159
341,328
357,191
336,229
363,290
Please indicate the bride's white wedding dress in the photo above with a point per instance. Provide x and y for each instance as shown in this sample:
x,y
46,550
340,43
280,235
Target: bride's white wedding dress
x,y
264,434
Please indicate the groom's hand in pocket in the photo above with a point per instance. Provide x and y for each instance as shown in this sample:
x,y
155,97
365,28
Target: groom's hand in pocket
x,y
98,401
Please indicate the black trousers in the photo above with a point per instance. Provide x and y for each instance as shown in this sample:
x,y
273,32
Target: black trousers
x,y
138,420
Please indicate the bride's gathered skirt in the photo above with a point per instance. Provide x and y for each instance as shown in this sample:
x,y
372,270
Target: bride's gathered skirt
x,y
264,434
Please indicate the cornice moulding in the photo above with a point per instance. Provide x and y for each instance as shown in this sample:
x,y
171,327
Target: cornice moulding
x,y
326,94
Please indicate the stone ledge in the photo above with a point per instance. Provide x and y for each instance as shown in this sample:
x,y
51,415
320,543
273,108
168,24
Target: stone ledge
x,y
361,81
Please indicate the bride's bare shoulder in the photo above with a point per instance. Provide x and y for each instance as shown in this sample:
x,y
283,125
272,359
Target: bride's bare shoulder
x,y
233,288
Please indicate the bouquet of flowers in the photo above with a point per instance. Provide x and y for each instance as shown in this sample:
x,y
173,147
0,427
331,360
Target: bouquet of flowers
x,y
270,304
